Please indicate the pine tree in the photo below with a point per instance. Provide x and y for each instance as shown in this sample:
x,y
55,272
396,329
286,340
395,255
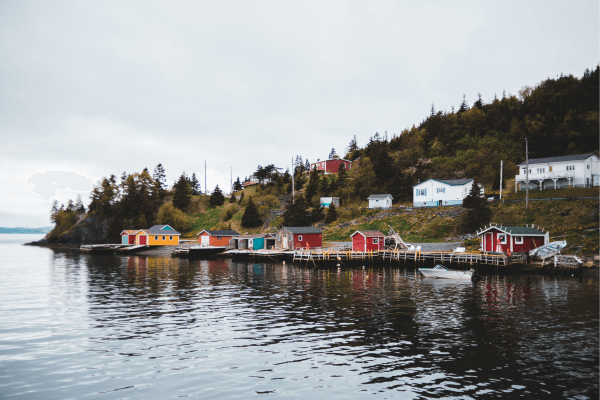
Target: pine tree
x,y
332,154
161,178
432,114
194,185
479,103
331,214
464,106
181,198
237,185
217,198
54,211
478,212
342,177
313,185
296,213
232,199
79,207
251,217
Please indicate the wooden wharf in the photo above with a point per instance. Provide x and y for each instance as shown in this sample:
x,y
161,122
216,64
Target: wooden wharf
x,y
111,247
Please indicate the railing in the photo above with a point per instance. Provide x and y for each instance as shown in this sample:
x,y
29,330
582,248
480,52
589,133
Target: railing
x,y
534,176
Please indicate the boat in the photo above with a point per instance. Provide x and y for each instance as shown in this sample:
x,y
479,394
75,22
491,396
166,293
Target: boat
x,y
439,271
548,249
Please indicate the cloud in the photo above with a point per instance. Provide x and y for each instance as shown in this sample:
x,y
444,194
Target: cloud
x,y
46,184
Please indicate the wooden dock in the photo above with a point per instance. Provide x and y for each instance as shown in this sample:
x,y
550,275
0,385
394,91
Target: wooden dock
x,y
101,248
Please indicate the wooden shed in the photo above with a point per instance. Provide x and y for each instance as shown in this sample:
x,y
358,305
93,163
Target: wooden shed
x,y
367,241
128,236
514,238
303,237
216,238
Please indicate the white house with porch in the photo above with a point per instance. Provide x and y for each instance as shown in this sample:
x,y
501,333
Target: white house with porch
x,y
580,170
437,192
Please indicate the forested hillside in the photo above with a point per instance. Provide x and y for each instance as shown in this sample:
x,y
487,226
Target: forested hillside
x,y
558,116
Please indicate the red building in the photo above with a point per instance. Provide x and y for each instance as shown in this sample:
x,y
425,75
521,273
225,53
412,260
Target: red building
x,y
331,166
367,241
291,238
514,238
216,238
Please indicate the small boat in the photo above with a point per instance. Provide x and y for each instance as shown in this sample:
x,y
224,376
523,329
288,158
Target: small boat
x,y
439,271
549,249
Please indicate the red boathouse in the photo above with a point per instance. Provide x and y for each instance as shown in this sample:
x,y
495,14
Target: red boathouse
x,y
293,237
514,238
367,241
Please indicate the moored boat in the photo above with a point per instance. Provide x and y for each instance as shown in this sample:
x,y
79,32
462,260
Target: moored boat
x,y
439,271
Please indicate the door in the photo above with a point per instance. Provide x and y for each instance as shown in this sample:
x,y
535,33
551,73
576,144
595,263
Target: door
x,y
124,239
488,242
143,239
131,239
439,203
284,242
205,240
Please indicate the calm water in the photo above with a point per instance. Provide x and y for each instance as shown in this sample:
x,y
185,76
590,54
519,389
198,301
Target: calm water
x,y
77,326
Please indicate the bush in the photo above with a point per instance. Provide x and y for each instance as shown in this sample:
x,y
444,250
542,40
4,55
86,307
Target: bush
x,y
229,211
175,218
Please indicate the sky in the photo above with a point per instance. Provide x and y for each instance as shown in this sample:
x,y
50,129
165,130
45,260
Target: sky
x,y
91,89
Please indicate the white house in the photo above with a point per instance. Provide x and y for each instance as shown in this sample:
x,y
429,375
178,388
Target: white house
x,y
380,200
436,192
580,170
326,201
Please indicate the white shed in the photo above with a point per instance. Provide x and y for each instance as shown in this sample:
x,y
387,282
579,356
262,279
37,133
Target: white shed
x,y
380,200
436,192
326,201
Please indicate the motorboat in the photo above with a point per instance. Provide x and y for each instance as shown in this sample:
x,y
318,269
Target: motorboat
x,y
439,271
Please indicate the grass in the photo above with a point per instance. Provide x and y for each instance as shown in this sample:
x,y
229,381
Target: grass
x,y
551,193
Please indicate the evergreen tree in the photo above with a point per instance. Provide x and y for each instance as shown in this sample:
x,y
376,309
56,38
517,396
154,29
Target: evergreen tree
x,y
181,195
232,199
432,114
79,207
194,185
464,106
478,212
331,214
332,154
325,187
479,103
160,178
342,177
251,217
217,198
296,213
313,184
241,198
237,185
54,211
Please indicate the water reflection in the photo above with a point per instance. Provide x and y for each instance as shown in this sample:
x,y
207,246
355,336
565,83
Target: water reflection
x,y
152,327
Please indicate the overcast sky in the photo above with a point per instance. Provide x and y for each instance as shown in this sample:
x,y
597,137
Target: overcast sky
x,y
90,89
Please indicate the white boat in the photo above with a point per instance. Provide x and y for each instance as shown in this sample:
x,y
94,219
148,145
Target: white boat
x,y
549,249
439,271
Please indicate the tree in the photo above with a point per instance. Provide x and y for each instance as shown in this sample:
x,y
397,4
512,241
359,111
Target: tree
x,y
160,178
464,106
232,199
342,176
477,210
237,185
479,102
332,154
194,185
79,207
175,218
251,217
313,184
331,214
217,198
54,211
296,213
181,195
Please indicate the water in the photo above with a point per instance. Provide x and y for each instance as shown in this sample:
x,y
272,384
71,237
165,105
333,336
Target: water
x,y
77,326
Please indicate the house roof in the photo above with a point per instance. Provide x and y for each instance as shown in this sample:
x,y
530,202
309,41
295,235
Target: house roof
x,y
379,196
331,159
299,230
451,182
130,231
516,230
369,233
257,236
228,232
574,157
161,230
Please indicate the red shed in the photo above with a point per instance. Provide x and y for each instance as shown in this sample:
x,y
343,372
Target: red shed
x,y
331,166
367,241
514,238
216,238
128,236
291,238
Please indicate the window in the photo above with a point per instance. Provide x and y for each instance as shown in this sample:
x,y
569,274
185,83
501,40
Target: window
x,y
155,237
502,238
164,237
300,238
524,171
588,166
219,237
421,192
570,168
170,237
518,239
550,168
441,190
540,170
375,240
465,190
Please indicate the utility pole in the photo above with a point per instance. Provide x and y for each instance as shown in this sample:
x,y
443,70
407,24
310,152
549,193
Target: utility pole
x,y
526,175
231,179
501,162
205,188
